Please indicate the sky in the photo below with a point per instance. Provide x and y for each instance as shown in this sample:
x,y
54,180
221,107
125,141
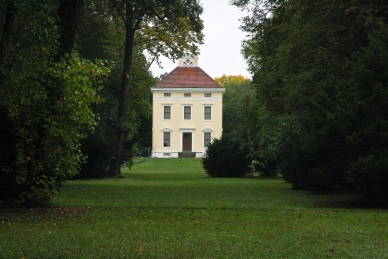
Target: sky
x,y
221,52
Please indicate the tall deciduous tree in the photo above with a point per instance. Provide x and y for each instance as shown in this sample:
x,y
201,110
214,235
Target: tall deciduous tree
x,y
99,35
171,27
9,11
68,15
45,98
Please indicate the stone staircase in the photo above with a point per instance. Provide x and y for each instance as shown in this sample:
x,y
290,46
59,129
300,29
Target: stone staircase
x,y
186,154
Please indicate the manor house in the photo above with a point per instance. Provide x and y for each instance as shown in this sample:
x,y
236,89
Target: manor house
x,y
187,111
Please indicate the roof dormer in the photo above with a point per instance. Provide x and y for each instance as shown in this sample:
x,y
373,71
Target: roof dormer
x,y
188,61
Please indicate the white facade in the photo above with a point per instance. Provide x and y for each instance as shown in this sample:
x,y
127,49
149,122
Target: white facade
x,y
185,118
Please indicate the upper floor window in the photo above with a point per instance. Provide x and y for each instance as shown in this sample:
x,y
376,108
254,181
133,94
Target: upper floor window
x,y
207,113
187,94
187,112
208,95
167,94
167,112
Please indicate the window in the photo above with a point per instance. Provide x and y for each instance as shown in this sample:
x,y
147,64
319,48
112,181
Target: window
x,y
187,94
208,95
167,112
207,138
166,139
188,63
187,112
207,113
167,94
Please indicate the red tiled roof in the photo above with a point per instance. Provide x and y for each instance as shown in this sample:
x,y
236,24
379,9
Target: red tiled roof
x,y
187,77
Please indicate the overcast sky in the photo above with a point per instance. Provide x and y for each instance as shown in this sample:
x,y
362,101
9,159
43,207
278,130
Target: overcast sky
x,y
221,52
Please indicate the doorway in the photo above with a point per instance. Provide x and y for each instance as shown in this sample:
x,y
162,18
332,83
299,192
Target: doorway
x,y
187,141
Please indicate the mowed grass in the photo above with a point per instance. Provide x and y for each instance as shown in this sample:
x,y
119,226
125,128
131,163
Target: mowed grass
x,y
169,208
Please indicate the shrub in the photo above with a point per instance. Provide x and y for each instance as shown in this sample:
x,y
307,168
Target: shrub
x,y
227,157
265,167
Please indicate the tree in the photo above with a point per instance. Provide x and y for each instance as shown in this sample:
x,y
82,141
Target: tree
x,y
236,102
7,32
227,157
68,12
367,172
99,36
164,27
308,59
45,106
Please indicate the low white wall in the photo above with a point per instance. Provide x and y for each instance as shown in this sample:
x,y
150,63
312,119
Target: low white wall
x,y
173,154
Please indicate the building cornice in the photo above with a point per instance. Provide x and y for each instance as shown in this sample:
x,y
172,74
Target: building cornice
x,y
188,90
205,99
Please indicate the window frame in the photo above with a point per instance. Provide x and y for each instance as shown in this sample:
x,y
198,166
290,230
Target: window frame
x,y
187,95
184,112
165,133
164,112
207,95
204,112
167,94
205,140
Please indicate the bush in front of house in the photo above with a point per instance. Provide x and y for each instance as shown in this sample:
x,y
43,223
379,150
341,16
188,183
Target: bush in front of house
x,y
227,157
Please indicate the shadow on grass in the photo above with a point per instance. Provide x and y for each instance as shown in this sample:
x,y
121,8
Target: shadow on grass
x,y
345,201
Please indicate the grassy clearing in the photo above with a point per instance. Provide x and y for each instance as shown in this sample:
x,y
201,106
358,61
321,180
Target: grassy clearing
x,y
169,208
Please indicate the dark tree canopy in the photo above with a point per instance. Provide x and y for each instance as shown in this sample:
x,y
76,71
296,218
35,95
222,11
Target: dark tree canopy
x,y
321,76
46,92
56,119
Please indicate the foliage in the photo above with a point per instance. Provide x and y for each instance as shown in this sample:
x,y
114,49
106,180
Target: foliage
x,y
49,117
45,107
265,167
368,171
237,101
140,108
321,77
107,37
227,157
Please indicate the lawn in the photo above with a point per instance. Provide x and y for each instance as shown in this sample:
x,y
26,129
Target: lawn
x,y
169,208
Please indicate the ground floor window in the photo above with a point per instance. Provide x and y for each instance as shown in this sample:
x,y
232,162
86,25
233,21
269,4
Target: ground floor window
x,y
207,138
166,139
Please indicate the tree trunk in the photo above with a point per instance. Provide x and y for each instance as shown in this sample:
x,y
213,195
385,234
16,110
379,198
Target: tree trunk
x,y
7,32
130,29
68,13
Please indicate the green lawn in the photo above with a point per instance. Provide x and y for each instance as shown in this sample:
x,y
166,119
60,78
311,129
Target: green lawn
x,y
169,208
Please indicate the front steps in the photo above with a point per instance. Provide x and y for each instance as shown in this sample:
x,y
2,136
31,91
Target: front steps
x,y
186,154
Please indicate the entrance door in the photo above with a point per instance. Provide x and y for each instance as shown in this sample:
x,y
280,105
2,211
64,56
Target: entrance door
x,y
187,140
